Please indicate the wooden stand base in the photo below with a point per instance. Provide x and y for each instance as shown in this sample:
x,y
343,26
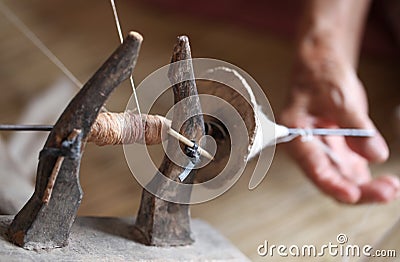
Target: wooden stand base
x,y
110,239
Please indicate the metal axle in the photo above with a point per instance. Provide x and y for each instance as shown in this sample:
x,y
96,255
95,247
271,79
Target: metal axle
x,y
26,127
332,132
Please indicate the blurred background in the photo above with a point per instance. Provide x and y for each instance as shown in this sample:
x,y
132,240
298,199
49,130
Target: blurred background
x,y
258,37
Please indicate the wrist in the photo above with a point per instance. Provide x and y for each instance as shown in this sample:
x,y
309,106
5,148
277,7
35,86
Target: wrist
x,y
333,27
320,45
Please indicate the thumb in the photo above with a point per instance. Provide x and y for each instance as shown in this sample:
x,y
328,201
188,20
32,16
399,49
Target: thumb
x,y
373,148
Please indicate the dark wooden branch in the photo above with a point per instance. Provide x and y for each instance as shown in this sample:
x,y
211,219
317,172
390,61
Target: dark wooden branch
x,y
42,224
159,222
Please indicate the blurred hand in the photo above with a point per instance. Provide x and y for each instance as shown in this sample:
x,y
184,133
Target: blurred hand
x,y
326,93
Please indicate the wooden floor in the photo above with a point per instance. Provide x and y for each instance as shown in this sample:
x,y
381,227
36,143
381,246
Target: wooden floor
x,y
285,208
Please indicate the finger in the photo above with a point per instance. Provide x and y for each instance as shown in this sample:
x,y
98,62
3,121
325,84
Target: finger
x,y
374,149
382,189
319,168
349,164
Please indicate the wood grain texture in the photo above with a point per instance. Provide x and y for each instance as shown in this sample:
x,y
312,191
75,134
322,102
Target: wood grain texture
x,y
47,225
159,222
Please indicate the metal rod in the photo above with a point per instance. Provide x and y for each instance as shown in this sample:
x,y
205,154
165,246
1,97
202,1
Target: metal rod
x,y
26,127
332,132
172,132
189,143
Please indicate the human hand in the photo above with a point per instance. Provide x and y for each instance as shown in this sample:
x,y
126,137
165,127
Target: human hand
x,y
326,93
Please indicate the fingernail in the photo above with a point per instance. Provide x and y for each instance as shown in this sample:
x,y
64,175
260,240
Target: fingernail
x,y
377,146
397,187
396,183
351,196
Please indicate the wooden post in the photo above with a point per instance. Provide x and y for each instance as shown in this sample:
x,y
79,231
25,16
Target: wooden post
x,y
46,219
159,222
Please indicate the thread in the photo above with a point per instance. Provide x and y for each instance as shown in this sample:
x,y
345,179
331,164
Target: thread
x,y
36,41
121,39
307,135
117,23
128,128
329,152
